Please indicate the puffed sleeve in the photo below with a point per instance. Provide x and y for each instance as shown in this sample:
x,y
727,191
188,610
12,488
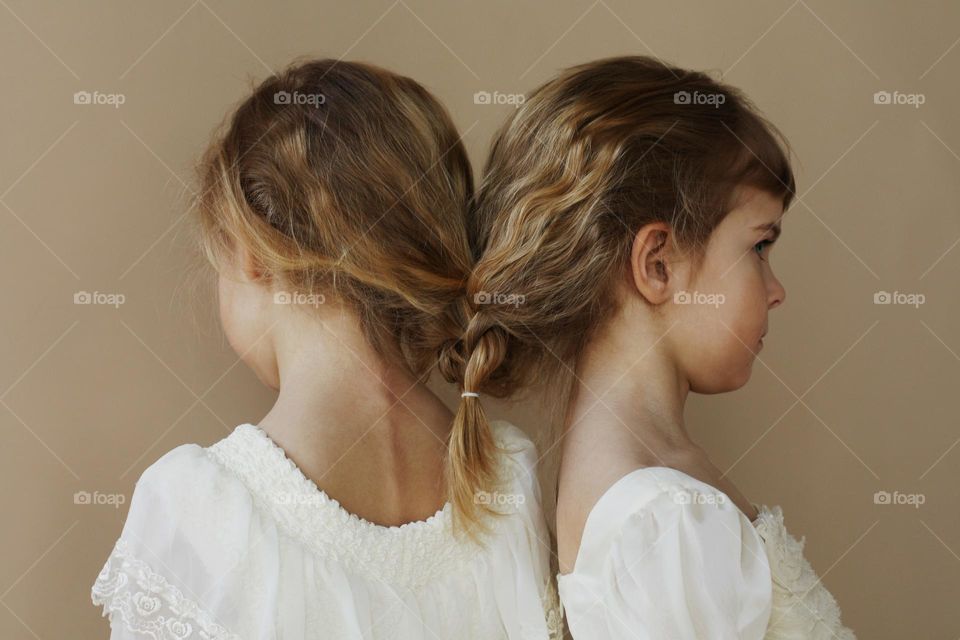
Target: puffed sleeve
x,y
160,575
674,567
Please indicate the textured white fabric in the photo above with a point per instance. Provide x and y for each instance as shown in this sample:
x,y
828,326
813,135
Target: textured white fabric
x,y
667,556
233,541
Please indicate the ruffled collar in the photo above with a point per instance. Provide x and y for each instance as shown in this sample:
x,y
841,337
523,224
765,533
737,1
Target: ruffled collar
x,y
411,553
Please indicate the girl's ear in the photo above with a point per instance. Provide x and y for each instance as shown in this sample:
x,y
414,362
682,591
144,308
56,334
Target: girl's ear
x,y
651,263
247,265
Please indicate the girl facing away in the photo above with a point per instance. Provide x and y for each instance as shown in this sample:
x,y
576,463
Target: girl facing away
x,y
631,207
333,208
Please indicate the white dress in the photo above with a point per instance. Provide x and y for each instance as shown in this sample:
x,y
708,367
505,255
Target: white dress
x,y
233,541
667,556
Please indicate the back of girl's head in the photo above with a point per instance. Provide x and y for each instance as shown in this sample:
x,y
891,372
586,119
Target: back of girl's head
x,y
348,180
590,158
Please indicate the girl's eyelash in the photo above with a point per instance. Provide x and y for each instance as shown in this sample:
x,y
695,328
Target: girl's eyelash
x,y
763,245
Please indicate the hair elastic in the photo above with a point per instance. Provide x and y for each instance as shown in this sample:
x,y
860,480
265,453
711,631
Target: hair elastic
x,y
472,394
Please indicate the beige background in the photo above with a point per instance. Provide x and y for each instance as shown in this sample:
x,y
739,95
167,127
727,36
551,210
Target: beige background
x,y
849,397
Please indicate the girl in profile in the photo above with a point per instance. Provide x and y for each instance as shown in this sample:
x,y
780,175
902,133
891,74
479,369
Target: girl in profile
x,y
633,207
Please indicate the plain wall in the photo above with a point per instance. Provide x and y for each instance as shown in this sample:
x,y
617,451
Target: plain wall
x,y
847,399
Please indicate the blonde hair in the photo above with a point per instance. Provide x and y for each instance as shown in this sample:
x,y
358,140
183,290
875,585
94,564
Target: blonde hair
x,y
592,156
345,178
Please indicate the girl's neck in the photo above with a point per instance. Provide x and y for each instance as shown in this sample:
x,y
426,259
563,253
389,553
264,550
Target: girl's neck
x,y
344,410
626,413
629,398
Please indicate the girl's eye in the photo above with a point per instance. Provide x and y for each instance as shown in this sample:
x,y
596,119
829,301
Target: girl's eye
x,y
760,246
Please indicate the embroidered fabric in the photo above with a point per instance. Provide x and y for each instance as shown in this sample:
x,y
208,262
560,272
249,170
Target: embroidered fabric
x,y
552,611
803,609
411,554
146,603
239,524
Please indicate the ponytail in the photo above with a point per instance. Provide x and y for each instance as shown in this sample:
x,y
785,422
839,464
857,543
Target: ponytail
x,y
472,467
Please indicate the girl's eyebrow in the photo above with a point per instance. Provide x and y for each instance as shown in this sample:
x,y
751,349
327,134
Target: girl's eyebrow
x,y
770,226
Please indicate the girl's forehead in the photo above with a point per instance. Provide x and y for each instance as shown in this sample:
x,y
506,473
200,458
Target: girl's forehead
x,y
757,208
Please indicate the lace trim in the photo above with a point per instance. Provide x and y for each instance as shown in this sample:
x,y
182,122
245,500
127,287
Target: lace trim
x,y
553,611
146,603
802,606
411,555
